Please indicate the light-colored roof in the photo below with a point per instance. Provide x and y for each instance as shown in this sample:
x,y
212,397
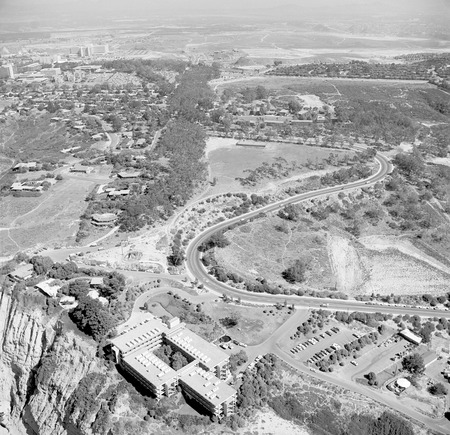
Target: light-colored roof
x,y
124,174
23,272
408,334
138,333
47,288
97,280
150,367
403,383
208,354
105,217
208,386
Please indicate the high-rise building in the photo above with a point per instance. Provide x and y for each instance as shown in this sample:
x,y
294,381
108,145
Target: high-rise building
x,y
7,71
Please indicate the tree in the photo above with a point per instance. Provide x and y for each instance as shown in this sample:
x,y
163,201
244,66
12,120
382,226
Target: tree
x,y
178,361
116,122
295,273
230,321
92,318
78,287
372,378
438,389
237,359
41,265
413,363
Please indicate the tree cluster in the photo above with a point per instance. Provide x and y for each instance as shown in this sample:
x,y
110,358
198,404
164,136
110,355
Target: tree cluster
x,y
171,357
92,318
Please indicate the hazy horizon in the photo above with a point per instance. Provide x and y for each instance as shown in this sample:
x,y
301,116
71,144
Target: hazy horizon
x,y
46,10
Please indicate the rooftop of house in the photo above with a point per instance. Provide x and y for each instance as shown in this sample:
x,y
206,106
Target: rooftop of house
x,y
104,217
23,272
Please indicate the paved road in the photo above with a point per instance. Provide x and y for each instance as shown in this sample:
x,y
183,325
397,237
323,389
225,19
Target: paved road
x,y
271,345
196,269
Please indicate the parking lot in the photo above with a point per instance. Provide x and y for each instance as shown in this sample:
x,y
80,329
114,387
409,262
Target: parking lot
x,y
329,338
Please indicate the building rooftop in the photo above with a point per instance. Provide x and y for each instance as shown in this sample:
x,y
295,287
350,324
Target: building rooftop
x,y
208,354
23,272
409,335
208,386
48,288
150,366
104,217
138,333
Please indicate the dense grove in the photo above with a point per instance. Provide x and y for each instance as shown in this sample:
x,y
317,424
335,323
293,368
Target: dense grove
x,y
357,69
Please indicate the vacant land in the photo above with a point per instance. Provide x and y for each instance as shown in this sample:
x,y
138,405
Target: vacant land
x,y
253,324
36,138
227,161
49,219
266,247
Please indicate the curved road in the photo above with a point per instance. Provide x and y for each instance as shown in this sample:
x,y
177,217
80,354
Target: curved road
x,y
196,269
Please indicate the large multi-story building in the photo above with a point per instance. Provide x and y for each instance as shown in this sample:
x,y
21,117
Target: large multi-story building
x,y
90,50
7,71
202,379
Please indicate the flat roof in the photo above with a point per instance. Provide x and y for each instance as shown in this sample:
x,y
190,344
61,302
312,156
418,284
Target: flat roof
x,y
208,386
138,332
23,271
408,334
208,354
149,366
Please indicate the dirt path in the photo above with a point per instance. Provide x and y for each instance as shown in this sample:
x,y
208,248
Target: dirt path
x,y
345,263
382,243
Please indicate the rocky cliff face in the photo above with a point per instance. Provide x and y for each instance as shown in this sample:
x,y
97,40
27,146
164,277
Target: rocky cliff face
x,y
40,369
52,383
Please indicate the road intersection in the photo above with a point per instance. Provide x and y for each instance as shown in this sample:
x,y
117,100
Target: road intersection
x,y
196,270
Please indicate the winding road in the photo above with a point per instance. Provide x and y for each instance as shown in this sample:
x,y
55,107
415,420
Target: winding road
x,y
196,269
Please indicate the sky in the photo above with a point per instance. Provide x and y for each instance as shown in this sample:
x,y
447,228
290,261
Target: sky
x,y
288,9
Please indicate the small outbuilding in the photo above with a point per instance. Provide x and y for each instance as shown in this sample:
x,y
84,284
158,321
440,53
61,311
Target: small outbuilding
x,y
47,288
410,336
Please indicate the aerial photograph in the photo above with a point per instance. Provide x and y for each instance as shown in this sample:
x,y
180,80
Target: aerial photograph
x,y
224,217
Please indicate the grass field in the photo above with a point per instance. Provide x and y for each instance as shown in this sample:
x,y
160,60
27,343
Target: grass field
x,y
379,264
258,249
254,325
228,161
49,219
36,138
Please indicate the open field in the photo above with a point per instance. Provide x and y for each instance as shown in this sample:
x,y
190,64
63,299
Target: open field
x,y
44,140
49,219
266,247
254,324
258,249
227,161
